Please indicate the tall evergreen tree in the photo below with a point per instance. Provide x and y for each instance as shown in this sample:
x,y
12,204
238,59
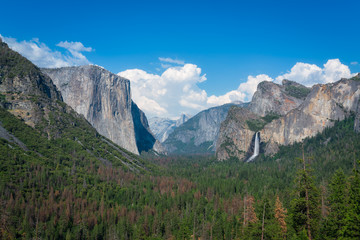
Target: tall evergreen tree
x,y
305,210
338,205
351,229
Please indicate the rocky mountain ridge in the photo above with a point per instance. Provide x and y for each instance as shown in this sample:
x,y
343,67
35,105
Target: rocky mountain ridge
x,y
199,134
24,90
298,118
105,101
276,98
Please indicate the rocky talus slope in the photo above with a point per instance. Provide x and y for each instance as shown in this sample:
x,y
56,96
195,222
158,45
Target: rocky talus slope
x,y
105,101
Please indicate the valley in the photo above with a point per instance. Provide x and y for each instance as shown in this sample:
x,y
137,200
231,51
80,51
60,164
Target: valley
x,y
79,160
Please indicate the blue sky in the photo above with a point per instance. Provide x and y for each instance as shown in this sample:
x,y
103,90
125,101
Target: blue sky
x,y
227,40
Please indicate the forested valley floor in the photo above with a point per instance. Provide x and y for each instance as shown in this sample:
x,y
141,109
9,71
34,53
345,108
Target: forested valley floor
x,y
55,189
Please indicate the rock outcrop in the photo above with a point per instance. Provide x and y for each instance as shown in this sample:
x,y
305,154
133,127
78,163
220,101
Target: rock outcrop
x,y
235,136
26,92
199,134
162,127
304,117
324,105
105,101
274,98
357,113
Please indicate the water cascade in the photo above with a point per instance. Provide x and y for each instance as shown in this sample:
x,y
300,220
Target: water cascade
x,y
256,148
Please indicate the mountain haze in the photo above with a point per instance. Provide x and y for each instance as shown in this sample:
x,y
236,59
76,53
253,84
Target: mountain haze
x,y
162,127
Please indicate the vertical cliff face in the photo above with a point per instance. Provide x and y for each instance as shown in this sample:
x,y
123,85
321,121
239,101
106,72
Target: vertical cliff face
x,y
235,136
274,98
324,105
104,99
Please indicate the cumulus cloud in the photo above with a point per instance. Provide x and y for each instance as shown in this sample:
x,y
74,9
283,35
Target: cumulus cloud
x,y
41,55
310,74
176,90
243,93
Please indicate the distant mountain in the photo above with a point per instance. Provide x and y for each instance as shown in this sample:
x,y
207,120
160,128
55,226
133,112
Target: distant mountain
x,y
288,113
199,133
105,101
162,127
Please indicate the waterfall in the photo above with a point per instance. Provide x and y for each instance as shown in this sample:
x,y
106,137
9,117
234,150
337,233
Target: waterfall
x,y
256,148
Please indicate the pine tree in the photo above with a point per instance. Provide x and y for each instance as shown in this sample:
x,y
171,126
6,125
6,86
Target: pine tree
x,y
305,210
338,205
351,228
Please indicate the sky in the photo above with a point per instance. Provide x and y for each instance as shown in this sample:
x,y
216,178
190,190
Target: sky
x,y
186,56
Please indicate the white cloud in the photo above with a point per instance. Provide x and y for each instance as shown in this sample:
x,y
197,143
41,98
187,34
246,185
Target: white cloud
x,y
41,55
310,74
354,63
176,90
249,87
243,93
172,92
170,60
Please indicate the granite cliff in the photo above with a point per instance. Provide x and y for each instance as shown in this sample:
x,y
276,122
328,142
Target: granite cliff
x,y
105,101
44,126
235,135
303,112
324,104
271,97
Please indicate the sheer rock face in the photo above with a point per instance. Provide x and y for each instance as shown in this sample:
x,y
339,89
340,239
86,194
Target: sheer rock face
x,y
357,113
199,134
271,97
357,119
235,137
324,105
105,101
